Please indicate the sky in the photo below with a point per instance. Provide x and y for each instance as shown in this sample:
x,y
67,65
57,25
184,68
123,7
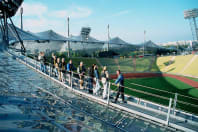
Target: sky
x,y
163,20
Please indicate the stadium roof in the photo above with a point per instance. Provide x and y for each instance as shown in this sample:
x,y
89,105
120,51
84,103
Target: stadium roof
x,y
89,39
51,35
151,44
23,34
118,41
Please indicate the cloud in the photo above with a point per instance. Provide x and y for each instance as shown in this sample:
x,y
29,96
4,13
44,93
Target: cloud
x,y
35,25
33,9
38,17
124,12
74,12
42,24
35,16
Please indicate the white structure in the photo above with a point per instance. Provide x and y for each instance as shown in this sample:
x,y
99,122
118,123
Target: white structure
x,y
84,41
46,46
46,41
116,43
90,43
188,42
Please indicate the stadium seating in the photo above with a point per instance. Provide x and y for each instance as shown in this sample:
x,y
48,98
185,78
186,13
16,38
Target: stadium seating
x,y
192,69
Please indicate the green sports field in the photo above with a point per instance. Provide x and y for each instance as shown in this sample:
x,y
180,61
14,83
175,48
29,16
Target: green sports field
x,y
194,79
160,89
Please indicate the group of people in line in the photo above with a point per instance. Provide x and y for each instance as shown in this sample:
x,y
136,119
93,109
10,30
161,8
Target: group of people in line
x,y
59,68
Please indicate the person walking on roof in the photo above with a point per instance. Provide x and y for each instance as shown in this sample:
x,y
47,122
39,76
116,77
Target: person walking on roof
x,y
120,84
58,68
70,69
97,79
81,71
54,69
52,64
45,63
104,79
63,69
42,60
90,80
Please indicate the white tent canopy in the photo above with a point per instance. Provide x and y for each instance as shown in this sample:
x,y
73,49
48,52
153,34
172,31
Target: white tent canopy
x,y
23,34
150,44
117,41
51,35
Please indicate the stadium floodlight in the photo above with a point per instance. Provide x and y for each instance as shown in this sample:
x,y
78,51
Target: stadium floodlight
x,y
85,31
191,15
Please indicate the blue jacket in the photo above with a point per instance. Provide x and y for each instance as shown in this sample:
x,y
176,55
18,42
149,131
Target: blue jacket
x,y
120,80
96,74
70,67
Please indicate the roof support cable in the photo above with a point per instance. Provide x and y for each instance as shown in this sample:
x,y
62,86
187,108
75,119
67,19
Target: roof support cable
x,y
23,50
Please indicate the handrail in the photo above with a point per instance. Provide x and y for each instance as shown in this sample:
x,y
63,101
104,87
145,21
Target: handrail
x,y
185,103
145,92
163,91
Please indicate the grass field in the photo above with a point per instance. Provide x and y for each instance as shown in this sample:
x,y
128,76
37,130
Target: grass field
x,y
168,87
87,61
194,79
143,64
146,64
110,63
127,65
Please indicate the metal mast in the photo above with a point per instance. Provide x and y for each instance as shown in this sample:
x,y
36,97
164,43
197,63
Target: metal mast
x,y
21,18
68,42
144,41
108,38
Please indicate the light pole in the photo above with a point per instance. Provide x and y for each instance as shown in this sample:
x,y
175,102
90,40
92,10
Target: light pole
x,y
68,42
21,18
108,38
144,41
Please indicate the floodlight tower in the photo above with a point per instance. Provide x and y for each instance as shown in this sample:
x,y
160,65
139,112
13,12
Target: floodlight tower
x,y
85,31
191,15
